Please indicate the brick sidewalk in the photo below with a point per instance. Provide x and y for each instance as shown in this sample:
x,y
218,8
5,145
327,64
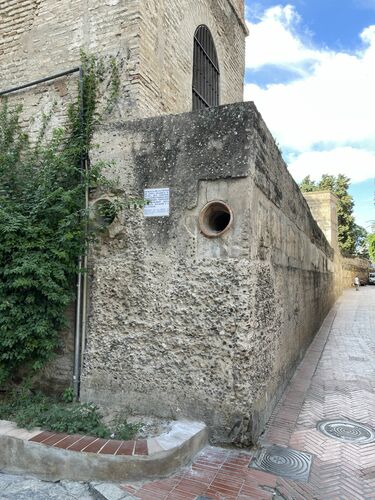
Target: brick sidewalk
x,y
336,380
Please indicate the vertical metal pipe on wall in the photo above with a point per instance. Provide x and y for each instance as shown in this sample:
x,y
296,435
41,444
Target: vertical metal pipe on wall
x,y
85,283
81,303
82,281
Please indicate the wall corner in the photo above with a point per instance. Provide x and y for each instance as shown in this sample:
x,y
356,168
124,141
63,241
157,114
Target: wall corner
x,y
323,206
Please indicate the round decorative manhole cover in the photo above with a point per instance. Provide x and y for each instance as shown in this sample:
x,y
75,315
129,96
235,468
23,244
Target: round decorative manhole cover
x,y
285,462
345,430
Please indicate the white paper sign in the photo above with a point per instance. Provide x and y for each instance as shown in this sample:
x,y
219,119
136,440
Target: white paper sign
x,y
158,202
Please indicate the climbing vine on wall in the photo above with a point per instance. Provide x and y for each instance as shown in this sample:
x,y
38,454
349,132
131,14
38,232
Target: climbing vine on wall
x,y
42,222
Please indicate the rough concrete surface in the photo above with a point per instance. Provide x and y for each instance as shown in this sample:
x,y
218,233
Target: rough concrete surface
x,y
20,452
208,328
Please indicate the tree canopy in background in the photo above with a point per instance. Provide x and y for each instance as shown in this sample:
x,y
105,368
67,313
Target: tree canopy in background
x,y
371,246
352,238
361,241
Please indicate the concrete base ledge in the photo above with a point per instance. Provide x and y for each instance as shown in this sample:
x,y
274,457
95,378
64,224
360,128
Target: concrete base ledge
x,y
166,453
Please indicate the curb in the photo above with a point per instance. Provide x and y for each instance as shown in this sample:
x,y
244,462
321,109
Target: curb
x,y
43,454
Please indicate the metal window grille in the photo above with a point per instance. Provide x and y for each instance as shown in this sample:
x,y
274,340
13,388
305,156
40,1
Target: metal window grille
x,y
205,70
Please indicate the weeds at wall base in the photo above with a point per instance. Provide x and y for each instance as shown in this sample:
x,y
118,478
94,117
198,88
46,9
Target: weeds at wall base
x,y
31,410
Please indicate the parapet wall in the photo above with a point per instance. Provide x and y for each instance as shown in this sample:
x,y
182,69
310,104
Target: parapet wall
x,y
209,328
352,267
323,206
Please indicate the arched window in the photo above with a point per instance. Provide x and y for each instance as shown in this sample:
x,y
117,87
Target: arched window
x,y
205,70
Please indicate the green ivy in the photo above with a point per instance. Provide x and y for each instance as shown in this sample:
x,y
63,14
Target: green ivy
x,y
43,223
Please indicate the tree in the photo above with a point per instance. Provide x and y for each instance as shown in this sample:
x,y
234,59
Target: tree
x,y
371,246
361,241
307,185
346,225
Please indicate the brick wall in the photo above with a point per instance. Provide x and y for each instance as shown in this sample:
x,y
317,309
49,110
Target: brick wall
x,y
238,6
153,40
166,53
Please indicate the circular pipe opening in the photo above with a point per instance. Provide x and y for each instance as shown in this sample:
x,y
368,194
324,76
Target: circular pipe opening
x,y
215,219
104,213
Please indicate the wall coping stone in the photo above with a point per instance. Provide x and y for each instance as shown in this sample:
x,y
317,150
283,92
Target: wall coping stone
x,y
58,456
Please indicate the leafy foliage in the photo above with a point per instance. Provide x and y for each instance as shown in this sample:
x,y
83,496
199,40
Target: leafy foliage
x,y
371,246
361,242
124,430
43,223
30,410
346,225
68,395
41,236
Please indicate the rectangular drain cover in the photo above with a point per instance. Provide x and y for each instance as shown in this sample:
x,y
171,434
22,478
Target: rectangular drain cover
x,y
284,462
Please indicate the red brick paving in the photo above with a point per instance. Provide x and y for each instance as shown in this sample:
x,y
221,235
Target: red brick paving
x,y
68,441
89,444
42,436
96,446
82,443
110,448
55,439
336,379
141,447
126,448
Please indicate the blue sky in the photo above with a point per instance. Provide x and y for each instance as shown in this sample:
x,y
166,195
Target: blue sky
x,y
310,69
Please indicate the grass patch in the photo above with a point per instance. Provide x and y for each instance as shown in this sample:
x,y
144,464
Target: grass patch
x,y
30,410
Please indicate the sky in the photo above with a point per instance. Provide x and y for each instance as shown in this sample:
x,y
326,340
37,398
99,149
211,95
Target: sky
x,y
310,69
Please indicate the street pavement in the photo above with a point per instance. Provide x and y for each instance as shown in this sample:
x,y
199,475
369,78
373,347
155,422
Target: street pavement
x,y
334,386
335,381
29,488
22,487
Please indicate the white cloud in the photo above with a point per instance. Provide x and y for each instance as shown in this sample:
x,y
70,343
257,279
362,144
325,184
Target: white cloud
x,y
356,164
273,41
330,104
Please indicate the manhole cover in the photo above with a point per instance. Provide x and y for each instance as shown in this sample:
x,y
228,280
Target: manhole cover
x,y
346,430
284,462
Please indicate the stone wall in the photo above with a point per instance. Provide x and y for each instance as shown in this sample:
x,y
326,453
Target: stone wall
x,y
352,267
208,328
238,6
323,206
181,324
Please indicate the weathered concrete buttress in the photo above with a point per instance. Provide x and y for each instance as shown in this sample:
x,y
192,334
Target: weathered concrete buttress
x,y
211,328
